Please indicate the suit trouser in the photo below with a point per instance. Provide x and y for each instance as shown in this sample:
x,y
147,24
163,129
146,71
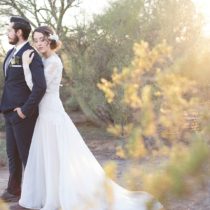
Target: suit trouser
x,y
19,133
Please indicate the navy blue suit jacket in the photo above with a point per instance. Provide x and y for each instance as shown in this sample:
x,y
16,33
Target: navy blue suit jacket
x,y
16,92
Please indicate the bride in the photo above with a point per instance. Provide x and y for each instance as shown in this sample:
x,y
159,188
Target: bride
x,y
61,172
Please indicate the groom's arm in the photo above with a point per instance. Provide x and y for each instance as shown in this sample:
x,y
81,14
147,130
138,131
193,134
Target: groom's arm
x,y
39,85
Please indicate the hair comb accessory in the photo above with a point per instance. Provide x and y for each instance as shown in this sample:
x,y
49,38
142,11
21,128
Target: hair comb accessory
x,y
54,37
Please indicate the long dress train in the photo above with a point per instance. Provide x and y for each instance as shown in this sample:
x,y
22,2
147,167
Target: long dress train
x,y
61,172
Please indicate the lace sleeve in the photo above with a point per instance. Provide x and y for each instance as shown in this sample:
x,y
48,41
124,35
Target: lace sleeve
x,y
51,70
28,76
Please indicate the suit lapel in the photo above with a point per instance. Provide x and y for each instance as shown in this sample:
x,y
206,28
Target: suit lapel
x,y
19,53
8,53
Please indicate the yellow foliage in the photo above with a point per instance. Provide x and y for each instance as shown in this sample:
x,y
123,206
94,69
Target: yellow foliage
x,y
184,162
131,96
120,152
106,87
135,147
110,169
132,177
163,151
120,130
115,129
148,116
157,184
166,108
129,78
3,205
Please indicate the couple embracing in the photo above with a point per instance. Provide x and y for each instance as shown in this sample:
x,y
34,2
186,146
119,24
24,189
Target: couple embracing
x,y
60,172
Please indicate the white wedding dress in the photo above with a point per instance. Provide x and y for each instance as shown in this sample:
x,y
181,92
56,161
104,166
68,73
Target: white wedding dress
x,y
61,172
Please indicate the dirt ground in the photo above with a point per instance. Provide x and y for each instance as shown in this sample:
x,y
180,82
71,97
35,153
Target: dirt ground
x,y
103,146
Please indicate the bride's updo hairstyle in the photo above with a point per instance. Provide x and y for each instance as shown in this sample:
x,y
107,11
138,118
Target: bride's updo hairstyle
x,y
55,43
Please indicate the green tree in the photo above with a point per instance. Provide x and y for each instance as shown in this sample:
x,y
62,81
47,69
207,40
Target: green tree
x,y
107,43
174,20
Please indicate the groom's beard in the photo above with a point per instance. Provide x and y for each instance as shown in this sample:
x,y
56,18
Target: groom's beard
x,y
14,41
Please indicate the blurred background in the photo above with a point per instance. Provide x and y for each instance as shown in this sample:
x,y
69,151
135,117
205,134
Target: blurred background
x,y
136,82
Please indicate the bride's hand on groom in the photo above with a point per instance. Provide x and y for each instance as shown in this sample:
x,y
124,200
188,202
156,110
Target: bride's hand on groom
x,y
27,57
19,112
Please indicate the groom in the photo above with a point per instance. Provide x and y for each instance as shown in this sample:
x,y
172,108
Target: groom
x,y
19,105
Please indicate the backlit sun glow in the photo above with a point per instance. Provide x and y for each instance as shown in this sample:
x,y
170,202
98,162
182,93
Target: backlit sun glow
x,y
203,7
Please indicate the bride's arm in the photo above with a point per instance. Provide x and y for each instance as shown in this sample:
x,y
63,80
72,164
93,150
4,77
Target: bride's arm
x,y
28,76
39,84
27,57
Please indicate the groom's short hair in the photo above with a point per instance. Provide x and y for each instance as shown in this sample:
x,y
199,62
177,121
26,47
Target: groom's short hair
x,y
22,24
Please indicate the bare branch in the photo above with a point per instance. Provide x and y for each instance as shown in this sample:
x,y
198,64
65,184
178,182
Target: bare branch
x,y
52,8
